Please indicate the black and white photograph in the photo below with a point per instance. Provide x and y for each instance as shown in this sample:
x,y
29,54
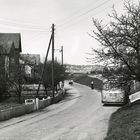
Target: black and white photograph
x,y
69,70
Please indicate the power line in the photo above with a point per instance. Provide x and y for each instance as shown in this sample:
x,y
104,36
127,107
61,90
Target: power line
x,y
8,21
32,27
18,28
77,12
35,37
84,13
23,26
78,17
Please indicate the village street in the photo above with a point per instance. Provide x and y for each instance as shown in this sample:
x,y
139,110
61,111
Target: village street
x,y
80,116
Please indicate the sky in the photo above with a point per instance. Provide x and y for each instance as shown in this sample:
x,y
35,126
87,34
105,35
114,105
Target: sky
x,y
72,19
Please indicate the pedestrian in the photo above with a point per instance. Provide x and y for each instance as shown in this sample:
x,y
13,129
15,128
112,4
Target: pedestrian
x,y
92,86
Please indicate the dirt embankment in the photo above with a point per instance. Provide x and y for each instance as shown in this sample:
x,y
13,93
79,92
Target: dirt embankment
x,y
124,124
84,79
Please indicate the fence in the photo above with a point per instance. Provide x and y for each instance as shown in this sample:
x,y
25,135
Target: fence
x,y
16,111
30,105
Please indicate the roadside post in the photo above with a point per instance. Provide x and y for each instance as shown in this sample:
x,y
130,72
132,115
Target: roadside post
x,y
92,86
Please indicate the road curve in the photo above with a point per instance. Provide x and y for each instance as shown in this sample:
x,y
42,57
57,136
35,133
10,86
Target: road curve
x,y
80,116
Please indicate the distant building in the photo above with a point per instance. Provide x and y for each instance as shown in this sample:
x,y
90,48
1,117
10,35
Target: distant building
x,y
29,64
10,48
31,59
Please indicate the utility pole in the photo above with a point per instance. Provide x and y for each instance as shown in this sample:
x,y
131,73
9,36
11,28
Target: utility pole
x,y
53,61
62,55
44,66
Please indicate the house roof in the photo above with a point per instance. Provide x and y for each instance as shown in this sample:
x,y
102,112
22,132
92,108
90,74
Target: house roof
x,y
11,37
6,48
31,58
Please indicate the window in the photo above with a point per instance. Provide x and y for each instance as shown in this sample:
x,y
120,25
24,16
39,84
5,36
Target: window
x,y
7,65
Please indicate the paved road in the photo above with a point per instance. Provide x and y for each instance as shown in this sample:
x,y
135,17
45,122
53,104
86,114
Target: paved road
x,y
80,116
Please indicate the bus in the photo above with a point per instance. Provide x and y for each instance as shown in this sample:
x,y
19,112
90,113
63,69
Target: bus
x,y
112,93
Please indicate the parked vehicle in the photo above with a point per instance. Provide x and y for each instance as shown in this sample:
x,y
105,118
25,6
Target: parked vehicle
x,y
112,93
71,82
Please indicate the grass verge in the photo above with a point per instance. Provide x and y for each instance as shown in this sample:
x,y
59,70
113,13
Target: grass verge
x,y
124,124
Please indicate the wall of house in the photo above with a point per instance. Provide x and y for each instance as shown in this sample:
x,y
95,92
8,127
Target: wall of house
x,y
9,69
14,64
2,74
2,66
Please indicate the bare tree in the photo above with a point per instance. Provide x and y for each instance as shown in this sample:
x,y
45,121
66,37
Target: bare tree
x,y
59,74
120,41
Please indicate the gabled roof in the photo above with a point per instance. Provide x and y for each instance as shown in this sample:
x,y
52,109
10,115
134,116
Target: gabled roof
x,y
11,37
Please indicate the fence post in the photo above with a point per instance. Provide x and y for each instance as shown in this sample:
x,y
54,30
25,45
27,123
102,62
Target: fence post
x,y
37,103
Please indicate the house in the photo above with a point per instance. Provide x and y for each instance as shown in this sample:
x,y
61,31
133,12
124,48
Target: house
x,y
31,59
10,48
30,62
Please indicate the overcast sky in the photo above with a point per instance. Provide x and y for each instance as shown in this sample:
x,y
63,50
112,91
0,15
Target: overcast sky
x,y
72,19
